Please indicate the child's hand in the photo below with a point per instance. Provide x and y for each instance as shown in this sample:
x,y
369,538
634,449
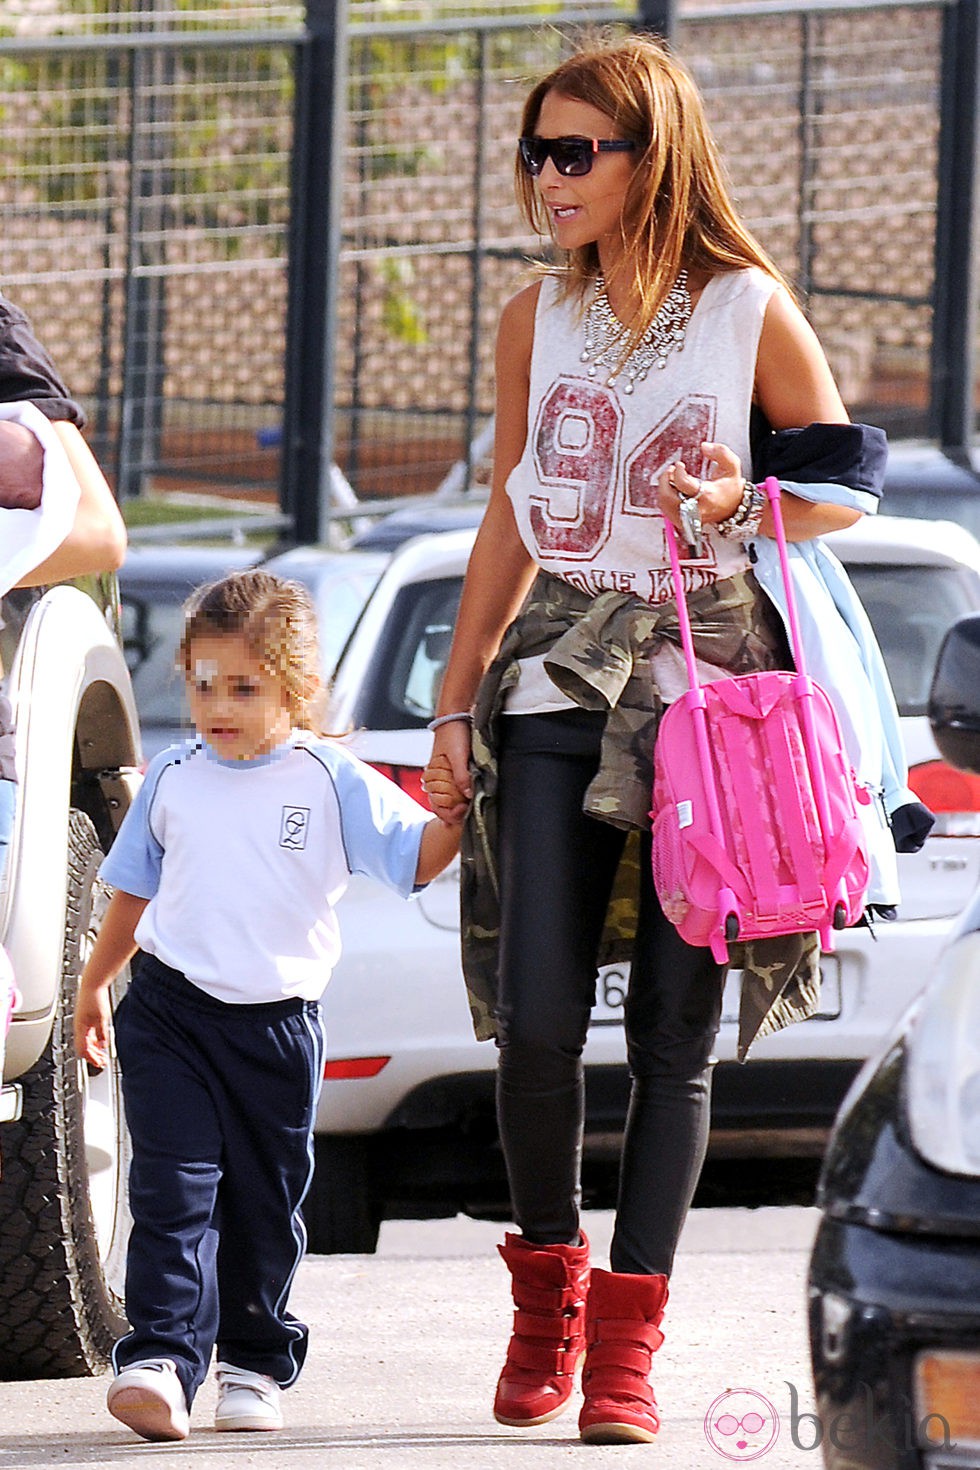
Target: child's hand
x,y
92,1017
445,798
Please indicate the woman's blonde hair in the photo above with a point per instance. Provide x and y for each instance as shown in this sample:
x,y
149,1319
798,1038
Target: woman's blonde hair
x,y
678,210
277,621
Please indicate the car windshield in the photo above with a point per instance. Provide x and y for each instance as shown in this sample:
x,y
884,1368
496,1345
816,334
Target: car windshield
x,y
151,628
910,608
402,686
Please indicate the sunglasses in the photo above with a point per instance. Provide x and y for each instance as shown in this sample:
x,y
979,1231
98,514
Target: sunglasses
x,y
572,157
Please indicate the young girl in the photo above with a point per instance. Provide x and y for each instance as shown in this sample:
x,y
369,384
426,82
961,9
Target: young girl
x,y
625,381
227,871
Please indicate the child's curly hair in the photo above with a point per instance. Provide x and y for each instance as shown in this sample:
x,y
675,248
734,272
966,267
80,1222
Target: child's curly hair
x,y
277,621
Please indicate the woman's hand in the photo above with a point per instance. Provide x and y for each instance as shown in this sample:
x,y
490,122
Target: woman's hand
x,y
718,495
446,778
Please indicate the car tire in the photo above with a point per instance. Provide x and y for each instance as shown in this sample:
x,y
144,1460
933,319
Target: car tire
x,y
342,1210
63,1185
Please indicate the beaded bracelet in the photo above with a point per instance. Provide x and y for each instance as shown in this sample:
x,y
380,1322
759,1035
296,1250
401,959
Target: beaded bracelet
x,y
744,521
461,714
740,512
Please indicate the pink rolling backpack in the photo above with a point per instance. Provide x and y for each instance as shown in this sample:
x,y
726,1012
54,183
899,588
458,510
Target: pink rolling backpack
x,y
756,830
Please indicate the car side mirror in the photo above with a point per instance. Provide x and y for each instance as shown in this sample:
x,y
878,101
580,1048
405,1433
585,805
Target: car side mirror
x,y
954,700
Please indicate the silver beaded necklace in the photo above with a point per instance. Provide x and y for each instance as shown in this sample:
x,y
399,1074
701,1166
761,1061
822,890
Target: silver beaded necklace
x,y
605,334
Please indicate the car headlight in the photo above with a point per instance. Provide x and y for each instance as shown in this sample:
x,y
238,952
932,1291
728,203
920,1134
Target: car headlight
x,y
943,1063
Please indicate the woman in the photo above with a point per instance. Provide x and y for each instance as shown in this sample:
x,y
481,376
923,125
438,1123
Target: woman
x,y
625,381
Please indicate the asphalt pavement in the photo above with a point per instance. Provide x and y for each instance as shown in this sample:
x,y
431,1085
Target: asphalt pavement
x,y
406,1346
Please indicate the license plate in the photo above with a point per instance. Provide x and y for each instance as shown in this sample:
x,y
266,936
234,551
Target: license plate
x,y
614,979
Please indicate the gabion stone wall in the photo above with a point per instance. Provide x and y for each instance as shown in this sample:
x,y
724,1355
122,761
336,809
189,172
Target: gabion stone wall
x,y
829,125
144,212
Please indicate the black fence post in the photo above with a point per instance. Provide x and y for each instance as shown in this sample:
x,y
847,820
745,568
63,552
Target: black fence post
x,y
658,16
314,252
479,246
953,371
148,209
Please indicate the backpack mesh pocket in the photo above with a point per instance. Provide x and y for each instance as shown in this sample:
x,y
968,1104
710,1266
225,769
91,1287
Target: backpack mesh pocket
x,y
669,871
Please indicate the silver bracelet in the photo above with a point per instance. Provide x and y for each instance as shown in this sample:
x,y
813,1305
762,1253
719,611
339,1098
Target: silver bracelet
x,y
460,714
753,520
732,524
743,523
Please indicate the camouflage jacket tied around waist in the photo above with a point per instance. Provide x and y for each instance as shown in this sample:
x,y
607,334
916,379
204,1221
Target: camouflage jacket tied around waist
x,y
598,652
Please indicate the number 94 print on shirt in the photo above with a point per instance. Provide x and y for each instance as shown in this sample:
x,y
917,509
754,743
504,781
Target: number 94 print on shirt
x,y
595,506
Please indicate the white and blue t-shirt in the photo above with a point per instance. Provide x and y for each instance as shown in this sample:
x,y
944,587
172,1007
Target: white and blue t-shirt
x,y
244,861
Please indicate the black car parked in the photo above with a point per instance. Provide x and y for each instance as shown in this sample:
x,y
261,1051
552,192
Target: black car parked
x,y
895,1271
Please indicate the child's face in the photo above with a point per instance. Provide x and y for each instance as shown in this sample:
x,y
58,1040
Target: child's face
x,y
236,704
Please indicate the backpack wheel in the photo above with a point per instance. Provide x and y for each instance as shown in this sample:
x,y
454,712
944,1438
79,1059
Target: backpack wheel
x,y
840,916
731,928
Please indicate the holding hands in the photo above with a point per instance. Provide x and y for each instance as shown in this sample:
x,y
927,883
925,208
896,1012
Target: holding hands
x,y
447,796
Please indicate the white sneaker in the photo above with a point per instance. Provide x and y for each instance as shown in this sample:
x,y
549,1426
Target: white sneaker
x,y
148,1397
247,1400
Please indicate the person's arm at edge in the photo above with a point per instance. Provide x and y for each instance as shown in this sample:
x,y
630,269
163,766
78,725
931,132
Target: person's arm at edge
x,y
114,946
21,467
97,541
500,569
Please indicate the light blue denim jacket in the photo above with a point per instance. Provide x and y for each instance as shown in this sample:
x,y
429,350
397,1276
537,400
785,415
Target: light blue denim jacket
x,y
843,656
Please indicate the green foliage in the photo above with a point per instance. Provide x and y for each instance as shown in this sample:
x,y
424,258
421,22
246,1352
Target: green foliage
x,y
124,17
399,312
431,12
212,140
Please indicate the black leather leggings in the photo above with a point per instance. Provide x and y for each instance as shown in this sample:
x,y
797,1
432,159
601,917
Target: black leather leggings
x,y
556,871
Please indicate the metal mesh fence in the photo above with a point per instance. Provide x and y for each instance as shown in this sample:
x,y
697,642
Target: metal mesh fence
x,y
101,17
52,18
144,211
829,125
144,195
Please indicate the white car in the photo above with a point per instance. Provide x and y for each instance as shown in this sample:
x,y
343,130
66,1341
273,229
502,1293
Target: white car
x,y
406,1118
64,1216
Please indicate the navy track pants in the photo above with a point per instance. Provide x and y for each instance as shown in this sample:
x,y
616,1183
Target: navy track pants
x,y
220,1101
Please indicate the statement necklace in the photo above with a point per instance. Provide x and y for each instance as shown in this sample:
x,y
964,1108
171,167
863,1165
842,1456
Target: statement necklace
x,y
605,334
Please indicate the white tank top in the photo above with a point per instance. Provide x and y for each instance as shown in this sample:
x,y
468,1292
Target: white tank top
x,y
584,490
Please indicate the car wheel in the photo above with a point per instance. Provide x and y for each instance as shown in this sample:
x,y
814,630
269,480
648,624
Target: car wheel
x,y
64,1175
342,1211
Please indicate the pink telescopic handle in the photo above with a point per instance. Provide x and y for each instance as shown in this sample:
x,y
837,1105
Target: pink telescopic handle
x,y
804,686
696,703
